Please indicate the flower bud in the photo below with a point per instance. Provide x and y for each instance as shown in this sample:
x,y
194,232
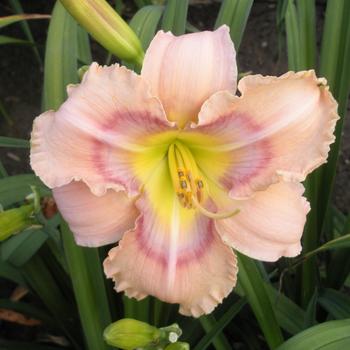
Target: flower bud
x,y
107,27
130,334
178,346
15,220
171,333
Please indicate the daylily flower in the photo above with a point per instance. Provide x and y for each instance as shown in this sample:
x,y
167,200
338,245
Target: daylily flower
x,y
180,170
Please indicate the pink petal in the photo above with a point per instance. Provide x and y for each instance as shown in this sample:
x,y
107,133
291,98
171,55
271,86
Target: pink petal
x,y
95,221
93,135
166,253
184,71
269,225
279,128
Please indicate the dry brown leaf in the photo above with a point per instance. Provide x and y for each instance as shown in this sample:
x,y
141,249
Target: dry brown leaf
x,y
16,317
49,207
18,293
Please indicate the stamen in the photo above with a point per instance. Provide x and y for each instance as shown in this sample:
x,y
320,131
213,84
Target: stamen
x,y
185,174
206,212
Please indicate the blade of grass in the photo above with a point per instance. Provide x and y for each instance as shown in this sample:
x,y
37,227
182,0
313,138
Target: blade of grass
x,y
86,273
293,41
307,31
226,13
330,43
7,20
11,273
175,16
335,58
145,23
219,342
254,289
310,314
45,286
4,113
340,242
288,314
221,323
142,3
84,51
60,57
235,14
339,266
336,303
280,23
17,7
13,142
5,40
330,335
3,171
21,247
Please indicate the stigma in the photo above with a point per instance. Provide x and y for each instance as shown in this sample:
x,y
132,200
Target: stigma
x,y
185,175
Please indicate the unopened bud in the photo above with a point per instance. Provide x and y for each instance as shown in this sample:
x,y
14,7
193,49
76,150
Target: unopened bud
x,y
178,346
15,220
130,334
171,333
107,27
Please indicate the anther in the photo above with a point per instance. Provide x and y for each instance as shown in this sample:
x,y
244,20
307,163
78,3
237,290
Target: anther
x,y
200,184
184,174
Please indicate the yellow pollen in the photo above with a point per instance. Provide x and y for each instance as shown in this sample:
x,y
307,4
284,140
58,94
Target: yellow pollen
x,y
185,175
187,181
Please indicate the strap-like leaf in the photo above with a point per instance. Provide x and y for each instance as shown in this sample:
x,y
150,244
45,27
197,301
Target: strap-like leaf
x,y
330,335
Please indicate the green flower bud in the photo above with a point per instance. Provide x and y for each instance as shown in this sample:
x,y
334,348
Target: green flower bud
x,y
178,346
107,27
15,220
130,334
171,333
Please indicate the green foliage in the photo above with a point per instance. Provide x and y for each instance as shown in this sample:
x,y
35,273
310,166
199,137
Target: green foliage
x,y
13,143
5,21
253,286
300,28
234,13
20,17
330,335
60,57
87,277
175,16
